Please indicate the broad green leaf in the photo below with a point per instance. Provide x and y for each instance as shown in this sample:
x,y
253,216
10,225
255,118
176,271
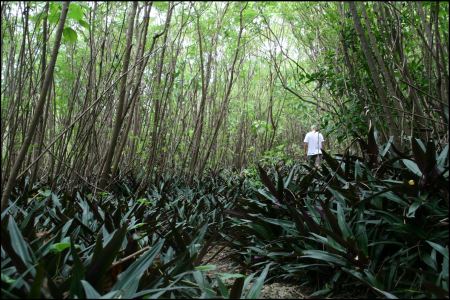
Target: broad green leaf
x,y
393,197
75,12
70,35
83,23
59,247
412,166
443,156
7,279
439,248
54,12
430,260
19,245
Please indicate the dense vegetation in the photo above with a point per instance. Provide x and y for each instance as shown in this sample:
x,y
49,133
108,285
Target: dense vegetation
x,y
137,135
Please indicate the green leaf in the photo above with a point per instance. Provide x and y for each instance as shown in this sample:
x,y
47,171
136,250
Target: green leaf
x,y
70,35
75,12
393,197
412,209
206,268
203,285
18,243
358,170
442,158
90,291
345,229
328,241
84,23
35,291
133,273
59,247
325,256
45,193
161,5
103,257
361,236
223,289
430,260
7,279
388,145
322,292
225,276
386,294
54,12
267,182
412,166
78,272
289,179
439,248
255,290
136,226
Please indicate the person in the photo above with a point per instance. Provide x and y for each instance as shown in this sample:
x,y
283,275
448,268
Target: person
x,y
313,145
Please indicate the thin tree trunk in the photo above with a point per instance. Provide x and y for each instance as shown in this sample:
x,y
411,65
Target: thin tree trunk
x,y
120,106
372,68
38,112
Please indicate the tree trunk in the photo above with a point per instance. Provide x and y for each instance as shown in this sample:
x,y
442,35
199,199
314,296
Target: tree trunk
x,y
373,70
120,106
38,112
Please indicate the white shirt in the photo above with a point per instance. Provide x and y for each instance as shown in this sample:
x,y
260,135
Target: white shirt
x,y
314,140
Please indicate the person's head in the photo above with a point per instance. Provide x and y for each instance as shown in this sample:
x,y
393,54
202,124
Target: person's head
x,y
313,127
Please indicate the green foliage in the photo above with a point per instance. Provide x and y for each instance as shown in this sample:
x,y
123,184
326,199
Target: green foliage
x,y
365,221
369,222
362,223
81,238
70,35
54,12
161,5
75,12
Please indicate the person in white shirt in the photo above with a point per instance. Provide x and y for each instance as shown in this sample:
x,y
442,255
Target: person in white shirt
x,y
313,145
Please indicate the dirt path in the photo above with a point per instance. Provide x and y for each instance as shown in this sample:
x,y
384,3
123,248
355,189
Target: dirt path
x,y
221,257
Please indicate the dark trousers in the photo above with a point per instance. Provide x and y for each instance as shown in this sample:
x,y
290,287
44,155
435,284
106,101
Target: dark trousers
x,y
314,159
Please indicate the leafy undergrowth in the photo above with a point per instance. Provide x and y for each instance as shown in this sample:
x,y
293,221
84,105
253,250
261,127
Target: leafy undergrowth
x,y
376,224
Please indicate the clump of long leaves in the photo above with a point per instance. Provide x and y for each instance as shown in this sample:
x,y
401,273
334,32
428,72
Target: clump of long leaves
x,y
378,222
115,245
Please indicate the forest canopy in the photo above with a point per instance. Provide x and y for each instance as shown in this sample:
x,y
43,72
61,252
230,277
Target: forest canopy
x,y
188,86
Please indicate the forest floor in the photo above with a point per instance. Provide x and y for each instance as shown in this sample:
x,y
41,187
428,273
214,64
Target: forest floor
x,y
225,264
221,257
